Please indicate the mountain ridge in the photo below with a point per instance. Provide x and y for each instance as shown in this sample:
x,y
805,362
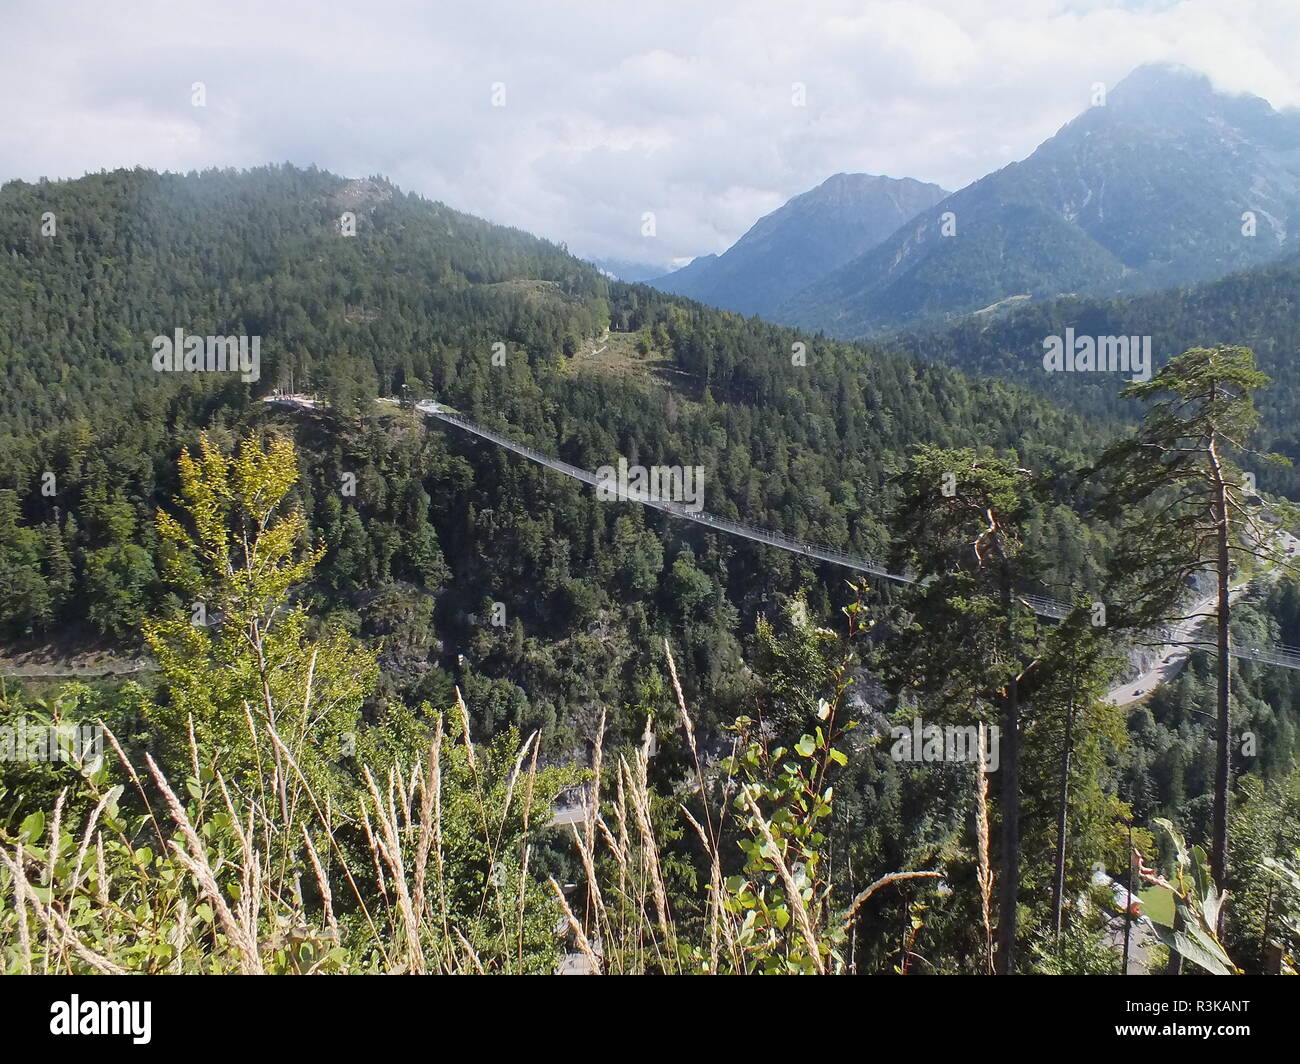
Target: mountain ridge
x,y
1147,191
809,235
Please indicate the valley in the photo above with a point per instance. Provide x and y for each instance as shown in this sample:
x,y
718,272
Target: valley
x,y
904,585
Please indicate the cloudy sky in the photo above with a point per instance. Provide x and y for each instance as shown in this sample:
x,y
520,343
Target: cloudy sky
x,y
686,108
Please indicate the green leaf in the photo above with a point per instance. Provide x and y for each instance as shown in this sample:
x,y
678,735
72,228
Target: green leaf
x,y
1202,950
1201,872
34,826
1158,905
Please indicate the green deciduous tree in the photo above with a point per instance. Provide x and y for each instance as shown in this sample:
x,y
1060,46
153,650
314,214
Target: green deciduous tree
x,y
241,649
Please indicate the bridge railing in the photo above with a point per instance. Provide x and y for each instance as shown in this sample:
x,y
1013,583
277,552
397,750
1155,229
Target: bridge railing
x,y
1288,657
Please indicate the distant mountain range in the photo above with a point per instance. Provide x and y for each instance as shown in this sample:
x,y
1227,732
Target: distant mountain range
x,y
625,270
787,250
1166,183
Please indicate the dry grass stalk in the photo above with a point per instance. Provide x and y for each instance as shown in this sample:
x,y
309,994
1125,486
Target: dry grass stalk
x,y
135,778
624,848
85,844
194,746
640,795
322,884
610,841
719,922
533,741
791,887
689,728
426,834
435,770
397,783
53,921
883,881
373,848
20,904
469,952
464,720
597,764
493,887
584,945
52,855
101,872
391,850
326,819
587,855
528,849
197,863
76,872
984,873
268,829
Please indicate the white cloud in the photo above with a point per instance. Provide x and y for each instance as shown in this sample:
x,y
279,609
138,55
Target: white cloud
x,y
681,108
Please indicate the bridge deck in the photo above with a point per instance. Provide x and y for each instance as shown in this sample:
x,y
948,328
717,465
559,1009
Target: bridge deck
x,y
1287,657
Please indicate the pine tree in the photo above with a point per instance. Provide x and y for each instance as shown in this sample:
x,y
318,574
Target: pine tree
x,y
958,528
1185,509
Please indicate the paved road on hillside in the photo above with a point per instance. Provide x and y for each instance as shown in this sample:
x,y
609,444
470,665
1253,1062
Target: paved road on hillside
x,y
1173,655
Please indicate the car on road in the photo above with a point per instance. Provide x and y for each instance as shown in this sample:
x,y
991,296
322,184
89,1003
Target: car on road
x,y
1139,691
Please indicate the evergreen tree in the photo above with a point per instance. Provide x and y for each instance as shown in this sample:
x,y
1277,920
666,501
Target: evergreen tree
x,y
1185,507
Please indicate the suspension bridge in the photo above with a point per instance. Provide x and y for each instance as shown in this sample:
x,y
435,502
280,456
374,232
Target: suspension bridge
x,y
1284,656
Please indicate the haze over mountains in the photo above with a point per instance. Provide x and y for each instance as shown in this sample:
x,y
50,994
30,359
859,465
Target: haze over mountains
x,y
787,250
1150,189
628,270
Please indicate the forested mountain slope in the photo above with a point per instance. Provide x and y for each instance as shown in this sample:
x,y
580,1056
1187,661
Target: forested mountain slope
x,y
798,440
460,564
1259,308
802,241
1162,181
135,254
